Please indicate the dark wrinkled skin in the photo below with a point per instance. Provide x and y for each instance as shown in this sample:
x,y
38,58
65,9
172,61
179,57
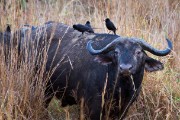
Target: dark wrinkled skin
x,y
82,75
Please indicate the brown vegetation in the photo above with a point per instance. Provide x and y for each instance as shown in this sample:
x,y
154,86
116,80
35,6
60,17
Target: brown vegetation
x,y
21,89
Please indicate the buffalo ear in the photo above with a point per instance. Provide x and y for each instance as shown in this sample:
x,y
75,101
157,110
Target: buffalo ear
x,y
153,65
8,29
104,60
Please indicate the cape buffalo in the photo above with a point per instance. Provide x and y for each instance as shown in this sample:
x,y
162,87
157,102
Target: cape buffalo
x,y
106,73
101,71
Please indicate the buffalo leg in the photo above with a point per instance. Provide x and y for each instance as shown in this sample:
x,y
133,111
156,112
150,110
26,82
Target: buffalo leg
x,y
94,108
127,98
68,100
114,113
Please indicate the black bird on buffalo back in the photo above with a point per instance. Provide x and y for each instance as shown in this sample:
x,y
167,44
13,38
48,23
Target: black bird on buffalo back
x,y
82,28
88,24
110,26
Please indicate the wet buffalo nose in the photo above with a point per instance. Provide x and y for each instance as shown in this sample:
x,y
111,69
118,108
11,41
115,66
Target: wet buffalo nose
x,y
126,67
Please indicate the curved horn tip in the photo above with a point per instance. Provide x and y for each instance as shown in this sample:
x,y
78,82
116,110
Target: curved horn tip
x,y
169,43
89,44
89,47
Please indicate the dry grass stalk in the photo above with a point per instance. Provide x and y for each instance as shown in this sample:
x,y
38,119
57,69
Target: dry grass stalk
x,y
21,88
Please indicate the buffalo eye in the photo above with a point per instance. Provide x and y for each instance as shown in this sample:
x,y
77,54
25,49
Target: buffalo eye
x,y
138,52
116,52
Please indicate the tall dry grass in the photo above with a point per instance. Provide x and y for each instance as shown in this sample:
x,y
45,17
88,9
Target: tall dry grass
x,y
21,89
22,81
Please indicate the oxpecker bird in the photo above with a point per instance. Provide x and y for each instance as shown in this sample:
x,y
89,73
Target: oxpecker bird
x,y
88,24
110,26
82,28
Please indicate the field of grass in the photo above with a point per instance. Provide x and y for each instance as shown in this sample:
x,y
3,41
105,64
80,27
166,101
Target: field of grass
x,y
152,20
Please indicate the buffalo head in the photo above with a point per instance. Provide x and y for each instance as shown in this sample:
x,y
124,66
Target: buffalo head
x,y
128,54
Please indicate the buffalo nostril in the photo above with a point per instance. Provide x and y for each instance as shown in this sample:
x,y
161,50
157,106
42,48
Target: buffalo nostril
x,y
130,67
126,66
